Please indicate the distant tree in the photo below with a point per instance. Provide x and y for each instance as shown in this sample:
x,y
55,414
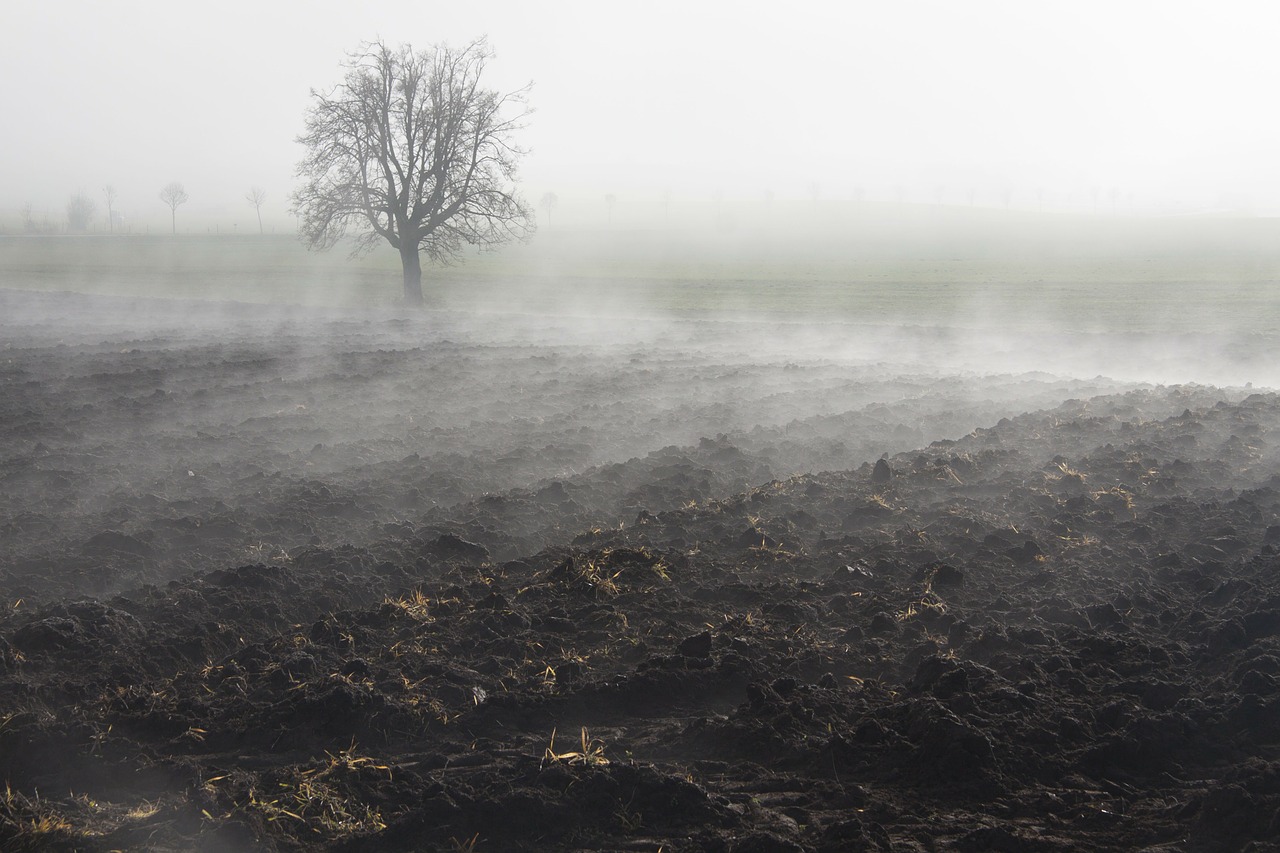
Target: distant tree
x,y
973,194
80,211
938,193
769,197
610,202
256,196
174,194
410,148
1006,196
859,193
550,201
28,217
666,205
815,192
110,192
1114,196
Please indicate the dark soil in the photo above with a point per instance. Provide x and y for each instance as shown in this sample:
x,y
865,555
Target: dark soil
x,y
366,585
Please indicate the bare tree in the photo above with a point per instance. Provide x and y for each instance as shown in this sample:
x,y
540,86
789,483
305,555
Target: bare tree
x,y
110,192
256,196
41,225
550,201
174,194
80,211
610,202
411,149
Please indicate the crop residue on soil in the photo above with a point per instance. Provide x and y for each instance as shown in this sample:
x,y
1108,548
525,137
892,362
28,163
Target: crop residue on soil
x,y
345,585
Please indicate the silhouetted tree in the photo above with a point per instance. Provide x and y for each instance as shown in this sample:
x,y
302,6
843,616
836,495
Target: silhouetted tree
x,y
256,196
41,225
110,192
174,194
550,201
411,148
80,211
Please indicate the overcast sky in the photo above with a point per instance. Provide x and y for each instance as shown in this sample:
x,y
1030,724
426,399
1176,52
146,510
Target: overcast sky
x,y
1172,103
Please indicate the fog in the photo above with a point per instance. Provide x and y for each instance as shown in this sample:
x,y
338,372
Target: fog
x,y
937,289
1147,107
886,394
955,213
1080,189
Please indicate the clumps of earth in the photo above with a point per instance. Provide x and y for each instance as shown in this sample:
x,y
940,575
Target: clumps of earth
x,y
1057,631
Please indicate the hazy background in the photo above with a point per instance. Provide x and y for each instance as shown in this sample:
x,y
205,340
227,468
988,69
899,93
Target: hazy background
x,y
682,111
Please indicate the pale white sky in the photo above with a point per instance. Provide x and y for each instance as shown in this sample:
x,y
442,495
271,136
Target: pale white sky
x,y
1172,101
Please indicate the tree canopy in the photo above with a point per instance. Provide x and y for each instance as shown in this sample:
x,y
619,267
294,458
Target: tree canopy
x,y
410,148
174,194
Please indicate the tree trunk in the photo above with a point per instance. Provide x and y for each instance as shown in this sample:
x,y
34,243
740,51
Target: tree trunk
x,y
412,272
173,219
259,220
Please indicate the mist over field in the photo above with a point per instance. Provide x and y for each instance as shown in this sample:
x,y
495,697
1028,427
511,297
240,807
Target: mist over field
x,y
806,429
1156,300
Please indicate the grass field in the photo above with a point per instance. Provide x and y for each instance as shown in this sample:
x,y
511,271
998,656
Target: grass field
x,y
926,268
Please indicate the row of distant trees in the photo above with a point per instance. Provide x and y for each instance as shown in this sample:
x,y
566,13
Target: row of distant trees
x,y
82,208
550,201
